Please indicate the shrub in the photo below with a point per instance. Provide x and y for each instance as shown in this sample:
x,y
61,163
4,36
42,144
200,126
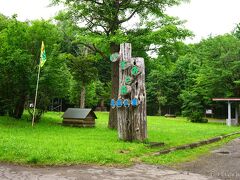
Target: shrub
x,y
197,117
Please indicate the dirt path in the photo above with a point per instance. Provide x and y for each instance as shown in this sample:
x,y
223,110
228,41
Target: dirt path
x,y
223,163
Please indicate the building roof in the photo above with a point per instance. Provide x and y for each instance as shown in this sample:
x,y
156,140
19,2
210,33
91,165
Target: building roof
x,y
77,113
226,99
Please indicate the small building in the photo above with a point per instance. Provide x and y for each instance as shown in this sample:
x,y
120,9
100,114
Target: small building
x,y
79,117
230,101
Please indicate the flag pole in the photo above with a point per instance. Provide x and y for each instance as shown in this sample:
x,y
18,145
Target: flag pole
x,y
35,100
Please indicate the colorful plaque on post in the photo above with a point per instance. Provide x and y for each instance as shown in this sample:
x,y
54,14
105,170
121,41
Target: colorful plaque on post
x,y
135,71
123,64
134,102
119,103
112,103
128,80
124,90
114,57
126,103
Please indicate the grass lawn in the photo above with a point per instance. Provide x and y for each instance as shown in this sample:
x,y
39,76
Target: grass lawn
x,y
49,143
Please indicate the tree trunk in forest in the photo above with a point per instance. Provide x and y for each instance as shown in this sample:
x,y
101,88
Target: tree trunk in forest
x,y
102,104
112,123
19,108
160,110
82,97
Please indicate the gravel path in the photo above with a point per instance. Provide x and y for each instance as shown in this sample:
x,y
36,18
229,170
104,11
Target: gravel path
x,y
138,172
223,163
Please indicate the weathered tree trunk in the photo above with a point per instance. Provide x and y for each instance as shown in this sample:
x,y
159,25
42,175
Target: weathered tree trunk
x,y
112,123
132,122
82,97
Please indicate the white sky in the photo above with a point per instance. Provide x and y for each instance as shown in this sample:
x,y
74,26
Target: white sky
x,y
204,17
28,9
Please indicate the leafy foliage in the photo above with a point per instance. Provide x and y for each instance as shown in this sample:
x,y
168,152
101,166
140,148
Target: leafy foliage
x,y
15,67
201,72
19,56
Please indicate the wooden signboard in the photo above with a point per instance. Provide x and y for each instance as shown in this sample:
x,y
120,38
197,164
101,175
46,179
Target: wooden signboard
x,y
132,120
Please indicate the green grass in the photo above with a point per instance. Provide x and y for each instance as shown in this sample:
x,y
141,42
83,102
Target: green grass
x,y
49,143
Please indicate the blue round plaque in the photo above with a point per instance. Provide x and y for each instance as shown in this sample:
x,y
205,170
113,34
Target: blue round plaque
x,y
134,102
126,103
119,103
112,103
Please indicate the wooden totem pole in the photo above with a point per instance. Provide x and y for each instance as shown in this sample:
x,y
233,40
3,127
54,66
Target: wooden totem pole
x,y
131,102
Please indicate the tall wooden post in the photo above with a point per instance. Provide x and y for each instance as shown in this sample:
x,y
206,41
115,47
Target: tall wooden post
x,y
236,114
229,119
131,102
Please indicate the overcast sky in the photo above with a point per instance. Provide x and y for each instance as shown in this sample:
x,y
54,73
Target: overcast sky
x,y
204,17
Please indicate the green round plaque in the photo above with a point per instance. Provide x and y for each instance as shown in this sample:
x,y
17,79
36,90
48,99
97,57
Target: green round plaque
x,y
114,57
134,70
128,80
124,90
123,64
